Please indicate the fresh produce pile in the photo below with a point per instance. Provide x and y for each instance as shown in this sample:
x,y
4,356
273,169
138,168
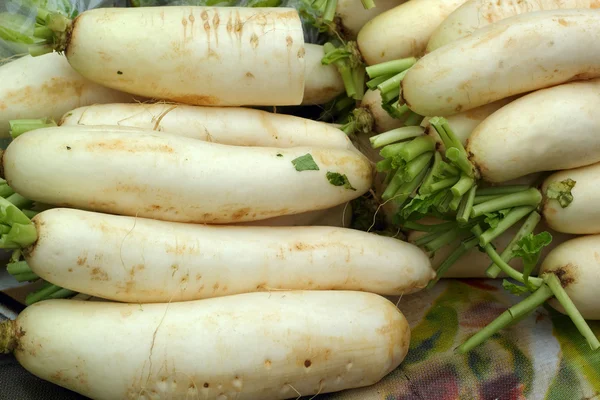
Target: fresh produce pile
x,y
166,160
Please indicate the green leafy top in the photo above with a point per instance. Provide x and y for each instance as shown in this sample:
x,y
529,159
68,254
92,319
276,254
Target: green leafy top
x,y
305,163
561,191
493,218
529,248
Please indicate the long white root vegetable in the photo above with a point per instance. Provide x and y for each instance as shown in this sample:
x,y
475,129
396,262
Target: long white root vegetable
x,y
403,31
195,55
33,87
323,82
157,175
353,16
476,14
516,55
582,215
547,130
258,346
139,260
576,264
225,125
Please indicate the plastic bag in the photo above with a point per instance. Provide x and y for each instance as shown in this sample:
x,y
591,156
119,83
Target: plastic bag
x,y
19,16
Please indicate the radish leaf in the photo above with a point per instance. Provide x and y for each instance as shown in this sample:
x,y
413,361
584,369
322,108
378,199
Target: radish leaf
x,y
305,163
529,248
339,180
561,191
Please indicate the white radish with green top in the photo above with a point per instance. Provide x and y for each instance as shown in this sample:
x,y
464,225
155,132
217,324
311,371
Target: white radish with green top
x,y
47,86
549,129
162,176
519,54
476,14
261,346
225,125
195,55
138,260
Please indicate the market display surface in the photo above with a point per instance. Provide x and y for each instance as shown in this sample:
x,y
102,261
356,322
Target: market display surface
x,y
269,200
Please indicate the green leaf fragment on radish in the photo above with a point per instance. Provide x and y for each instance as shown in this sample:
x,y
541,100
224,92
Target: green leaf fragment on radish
x,y
529,248
337,179
517,290
305,163
561,191
493,218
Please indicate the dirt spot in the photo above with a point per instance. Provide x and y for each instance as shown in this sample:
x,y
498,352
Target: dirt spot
x,y
566,274
178,249
239,214
216,286
206,385
195,99
122,145
301,52
268,363
563,22
216,20
249,75
289,41
70,270
98,274
254,41
307,363
81,260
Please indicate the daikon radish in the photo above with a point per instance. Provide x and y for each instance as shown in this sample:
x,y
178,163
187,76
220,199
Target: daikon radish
x,y
549,129
157,175
46,86
353,16
476,14
225,125
259,346
519,54
139,260
403,31
196,55
323,82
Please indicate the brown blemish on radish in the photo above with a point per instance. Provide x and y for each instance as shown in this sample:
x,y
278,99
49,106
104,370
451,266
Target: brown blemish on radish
x,y
81,260
239,214
195,99
249,75
567,274
254,41
123,145
98,274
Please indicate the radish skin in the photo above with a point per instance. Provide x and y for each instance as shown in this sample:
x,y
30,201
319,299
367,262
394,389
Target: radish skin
x,y
520,54
577,265
550,129
382,121
339,216
581,216
46,86
403,31
258,346
353,16
195,55
476,14
139,260
323,82
168,177
225,125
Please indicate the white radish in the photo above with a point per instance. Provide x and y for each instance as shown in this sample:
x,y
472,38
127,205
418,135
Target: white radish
x,y
323,82
516,55
139,260
403,31
476,14
550,129
162,176
581,215
258,346
195,55
381,120
225,125
46,86
577,265
353,15
340,216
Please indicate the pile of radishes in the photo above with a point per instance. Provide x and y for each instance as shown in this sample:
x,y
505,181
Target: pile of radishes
x,y
215,236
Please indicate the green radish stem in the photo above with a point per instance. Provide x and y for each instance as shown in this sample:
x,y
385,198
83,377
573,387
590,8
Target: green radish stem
x,y
348,62
444,184
528,227
423,240
415,166
395,110
392,150
507,317
416,147
563,298
395,135
460,251
483,199
20,126
455,203
514,216
391,84
51,33
22,231
466,204
368,4
19,267
5,190
8,336
390,67
373,83
329,13
391,95
30,213
529,197
408,188
384,165
501,190
19,201
415,226
444,206
395,183
461,160
48,291
413,119
360,120
26,277
507,269
428,181
463,185
444,239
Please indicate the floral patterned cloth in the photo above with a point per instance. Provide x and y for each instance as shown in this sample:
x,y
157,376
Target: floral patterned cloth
x,y
541,357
